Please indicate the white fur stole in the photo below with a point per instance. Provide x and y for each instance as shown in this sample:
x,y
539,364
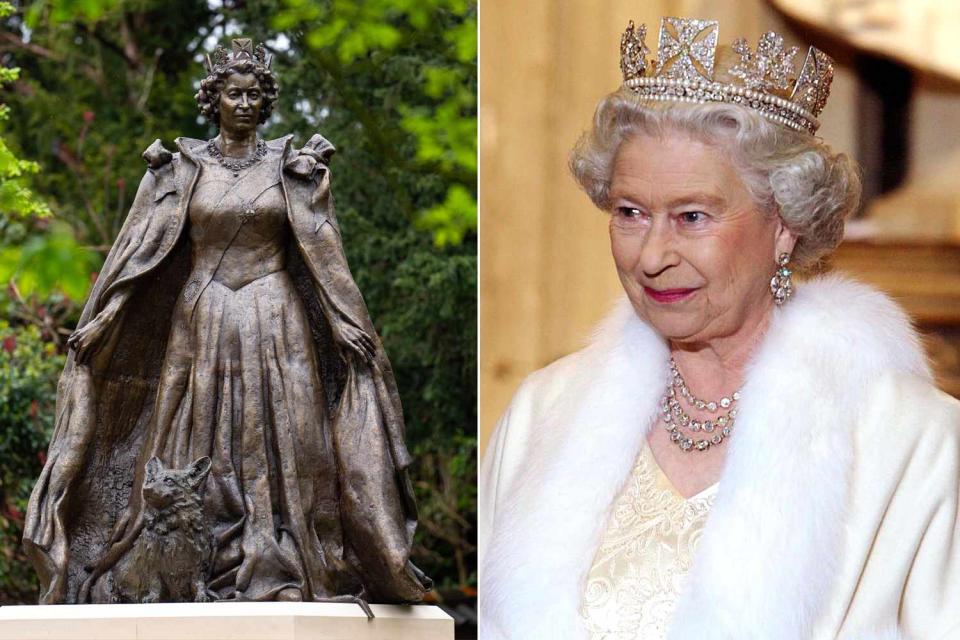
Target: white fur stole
x,y
770,549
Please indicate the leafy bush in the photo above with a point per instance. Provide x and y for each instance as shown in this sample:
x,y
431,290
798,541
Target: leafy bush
x,y
446,489
29,367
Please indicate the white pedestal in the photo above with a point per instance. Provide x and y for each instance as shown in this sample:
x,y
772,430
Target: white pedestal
x,y
224,621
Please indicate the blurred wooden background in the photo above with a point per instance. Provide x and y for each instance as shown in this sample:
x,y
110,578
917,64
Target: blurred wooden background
x,y
546,276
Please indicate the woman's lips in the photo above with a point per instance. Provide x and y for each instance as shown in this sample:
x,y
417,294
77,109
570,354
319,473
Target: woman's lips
x,y
669,295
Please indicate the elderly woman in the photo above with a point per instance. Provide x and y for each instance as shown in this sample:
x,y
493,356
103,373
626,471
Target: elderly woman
x,y
735,455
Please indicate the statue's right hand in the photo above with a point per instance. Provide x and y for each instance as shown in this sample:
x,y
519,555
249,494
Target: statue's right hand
x,y
355,340
86,340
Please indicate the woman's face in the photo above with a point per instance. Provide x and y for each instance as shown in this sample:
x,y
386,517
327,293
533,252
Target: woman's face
x,y
240,102
694,254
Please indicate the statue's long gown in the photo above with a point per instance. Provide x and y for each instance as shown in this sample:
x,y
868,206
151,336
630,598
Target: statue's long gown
x,y
216,354
240,384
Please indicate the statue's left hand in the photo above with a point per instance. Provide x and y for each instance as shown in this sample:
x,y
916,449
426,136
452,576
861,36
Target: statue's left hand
x,y
357,340
86,340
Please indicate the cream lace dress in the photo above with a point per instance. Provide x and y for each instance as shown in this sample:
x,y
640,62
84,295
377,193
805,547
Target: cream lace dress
x,y
644,556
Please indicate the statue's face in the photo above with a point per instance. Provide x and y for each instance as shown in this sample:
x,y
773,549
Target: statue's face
x,y
240,103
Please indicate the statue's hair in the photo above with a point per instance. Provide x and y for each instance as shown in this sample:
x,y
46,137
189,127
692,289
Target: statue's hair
x,y
208,98
788,173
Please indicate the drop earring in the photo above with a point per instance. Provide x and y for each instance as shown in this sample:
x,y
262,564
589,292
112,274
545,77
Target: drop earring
x,y
781,286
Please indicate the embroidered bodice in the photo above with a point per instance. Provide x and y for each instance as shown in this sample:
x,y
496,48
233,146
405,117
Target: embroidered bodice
x,y
644,555
238,220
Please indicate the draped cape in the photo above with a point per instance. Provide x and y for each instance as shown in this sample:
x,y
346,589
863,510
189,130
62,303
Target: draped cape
x,y
78,507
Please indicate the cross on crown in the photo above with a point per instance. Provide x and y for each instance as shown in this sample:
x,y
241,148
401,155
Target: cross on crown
x,y
765,80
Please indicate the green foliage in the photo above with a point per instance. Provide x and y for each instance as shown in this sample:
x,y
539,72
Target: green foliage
x,y
402,112
443,122
453,218
59,11
16,198
97,89
28,372
447,494
29,363
391,84
353,29
43,263
48,263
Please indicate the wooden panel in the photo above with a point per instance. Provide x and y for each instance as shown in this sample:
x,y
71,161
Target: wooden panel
x,y
513,78
925,278
921,33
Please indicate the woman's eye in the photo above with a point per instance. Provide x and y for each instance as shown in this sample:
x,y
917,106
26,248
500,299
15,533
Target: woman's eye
x,y
693,217
630,213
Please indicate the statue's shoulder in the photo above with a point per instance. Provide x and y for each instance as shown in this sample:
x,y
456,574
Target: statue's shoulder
x,y
316,147
157,156
310,161
323,148
163,175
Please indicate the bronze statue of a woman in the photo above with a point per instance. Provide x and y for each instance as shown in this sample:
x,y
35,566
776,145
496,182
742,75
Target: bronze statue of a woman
x,y
225,325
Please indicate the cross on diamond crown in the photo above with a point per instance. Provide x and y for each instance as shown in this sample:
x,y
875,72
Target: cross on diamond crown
x,y
243,49
690,67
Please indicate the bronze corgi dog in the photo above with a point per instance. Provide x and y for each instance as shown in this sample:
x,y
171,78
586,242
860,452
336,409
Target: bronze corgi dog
x,y
170,559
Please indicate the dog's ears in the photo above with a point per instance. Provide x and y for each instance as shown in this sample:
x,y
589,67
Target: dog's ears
x,y
198,471
154,466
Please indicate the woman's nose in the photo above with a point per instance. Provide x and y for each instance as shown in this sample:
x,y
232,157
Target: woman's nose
x,y
244,101
658,251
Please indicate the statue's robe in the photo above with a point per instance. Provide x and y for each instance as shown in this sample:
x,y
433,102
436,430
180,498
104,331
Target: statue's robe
x,y
80,508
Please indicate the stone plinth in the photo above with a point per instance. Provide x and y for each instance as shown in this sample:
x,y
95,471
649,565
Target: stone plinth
x,y
224,621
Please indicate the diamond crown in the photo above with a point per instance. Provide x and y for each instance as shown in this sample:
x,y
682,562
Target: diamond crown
x,y
690,67
243,49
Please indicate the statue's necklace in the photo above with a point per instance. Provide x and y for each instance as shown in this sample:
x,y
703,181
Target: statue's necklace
x,y
236,165
675,418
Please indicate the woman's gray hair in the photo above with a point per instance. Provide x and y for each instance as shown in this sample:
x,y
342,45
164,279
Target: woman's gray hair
x,y
788,173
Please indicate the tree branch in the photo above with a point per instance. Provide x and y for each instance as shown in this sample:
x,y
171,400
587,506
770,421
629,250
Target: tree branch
x,y
131,52
43,52
379,138
103,40
33,48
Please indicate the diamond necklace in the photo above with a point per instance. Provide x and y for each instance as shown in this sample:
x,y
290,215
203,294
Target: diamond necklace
x,y
725,402
236,165
674,417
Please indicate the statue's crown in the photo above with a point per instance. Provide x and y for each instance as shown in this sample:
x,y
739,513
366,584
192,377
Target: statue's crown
x,y
243,49
687,70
